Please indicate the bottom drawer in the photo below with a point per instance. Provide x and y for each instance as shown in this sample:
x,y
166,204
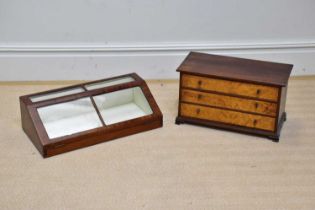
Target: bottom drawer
x,y
227,116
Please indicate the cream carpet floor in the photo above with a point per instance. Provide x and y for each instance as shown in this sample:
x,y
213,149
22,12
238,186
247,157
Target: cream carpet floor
x,y
174,167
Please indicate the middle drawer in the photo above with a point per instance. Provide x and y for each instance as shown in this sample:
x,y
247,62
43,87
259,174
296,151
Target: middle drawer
x,y
230,102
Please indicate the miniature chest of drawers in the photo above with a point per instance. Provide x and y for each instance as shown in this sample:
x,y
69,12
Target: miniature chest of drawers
x,y
233,93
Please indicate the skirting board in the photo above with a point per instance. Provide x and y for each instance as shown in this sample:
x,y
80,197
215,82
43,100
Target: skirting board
x,y
151,61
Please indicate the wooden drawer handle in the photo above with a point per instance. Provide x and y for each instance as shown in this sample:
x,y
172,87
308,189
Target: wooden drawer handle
x,y
199,96
255,122
256,105
199,82
198,111
258,91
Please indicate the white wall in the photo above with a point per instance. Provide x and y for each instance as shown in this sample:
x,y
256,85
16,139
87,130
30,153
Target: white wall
x,y
89,39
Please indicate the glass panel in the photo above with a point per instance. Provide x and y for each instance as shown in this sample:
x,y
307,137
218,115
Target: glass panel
x,y
69,117
122,105
109,83
56,94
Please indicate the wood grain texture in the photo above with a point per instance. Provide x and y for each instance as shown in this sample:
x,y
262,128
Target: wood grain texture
x,y
227,67
234,93
230,87
226,116
29,127
235,103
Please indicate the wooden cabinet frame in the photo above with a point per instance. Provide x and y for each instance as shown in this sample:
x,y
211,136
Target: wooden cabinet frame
x,y
35,130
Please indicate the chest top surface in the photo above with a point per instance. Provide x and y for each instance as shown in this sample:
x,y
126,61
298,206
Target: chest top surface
x,y
263,72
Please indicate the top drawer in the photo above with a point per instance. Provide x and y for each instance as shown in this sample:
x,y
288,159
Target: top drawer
x,y
230,87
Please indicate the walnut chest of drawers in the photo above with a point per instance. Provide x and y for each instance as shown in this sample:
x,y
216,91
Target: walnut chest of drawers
x,y
233,93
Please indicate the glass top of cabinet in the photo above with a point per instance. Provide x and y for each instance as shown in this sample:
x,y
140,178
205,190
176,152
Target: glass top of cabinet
x,y
69,117
87,113
108,83
75,90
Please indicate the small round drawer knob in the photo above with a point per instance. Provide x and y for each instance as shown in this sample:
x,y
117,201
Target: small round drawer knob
x,y
199,82
199,96
258,91
198,111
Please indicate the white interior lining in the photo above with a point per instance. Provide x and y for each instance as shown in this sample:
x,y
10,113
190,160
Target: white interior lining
x,y
69,117
80,115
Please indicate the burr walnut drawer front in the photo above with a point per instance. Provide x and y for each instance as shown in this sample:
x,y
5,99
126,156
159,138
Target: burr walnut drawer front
x,y
227,116
230,87
229,102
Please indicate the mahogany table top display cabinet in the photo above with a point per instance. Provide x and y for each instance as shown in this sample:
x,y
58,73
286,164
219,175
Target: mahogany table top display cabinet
x,y
233,93
69,118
